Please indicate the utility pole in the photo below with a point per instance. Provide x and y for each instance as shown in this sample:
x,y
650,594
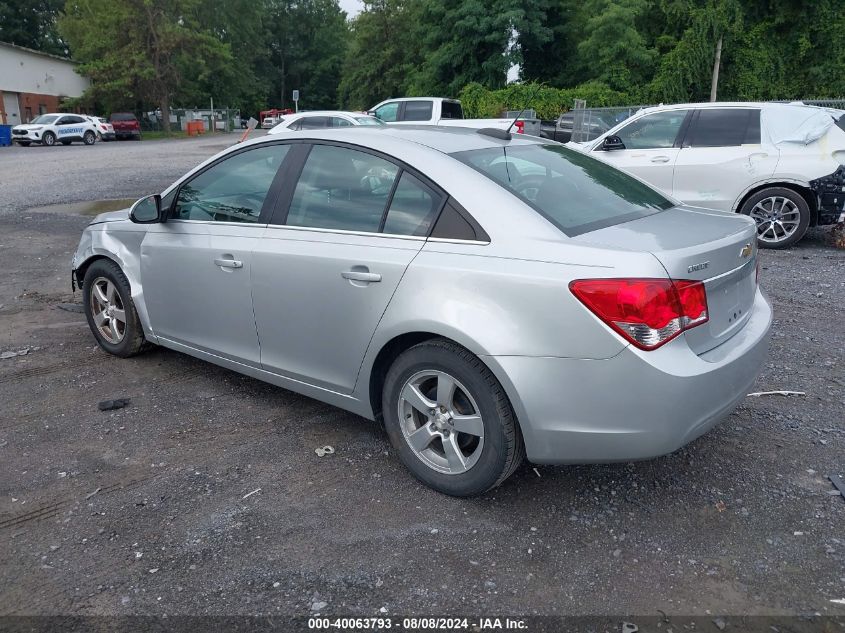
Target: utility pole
x,y
714,84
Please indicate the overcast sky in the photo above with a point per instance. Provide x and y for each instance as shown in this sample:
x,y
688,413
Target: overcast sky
x,y
351,6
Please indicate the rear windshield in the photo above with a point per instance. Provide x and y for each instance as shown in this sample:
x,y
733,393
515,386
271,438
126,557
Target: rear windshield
x,y
451,110
575,192
123,116
368,120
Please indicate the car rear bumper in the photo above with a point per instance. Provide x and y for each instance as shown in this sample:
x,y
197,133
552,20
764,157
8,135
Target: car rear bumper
x,y
636,405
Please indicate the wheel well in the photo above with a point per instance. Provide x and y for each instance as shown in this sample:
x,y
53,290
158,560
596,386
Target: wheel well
x,y
804,192
83,268
384,359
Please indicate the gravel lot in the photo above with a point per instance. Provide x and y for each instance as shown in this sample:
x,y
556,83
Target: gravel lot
x,y
146,510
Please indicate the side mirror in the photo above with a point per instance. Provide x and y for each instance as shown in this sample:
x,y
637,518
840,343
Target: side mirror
x,y
147,210
611,143
372,113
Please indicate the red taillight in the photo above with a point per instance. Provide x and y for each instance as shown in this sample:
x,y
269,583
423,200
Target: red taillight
x,y
646,312
520,127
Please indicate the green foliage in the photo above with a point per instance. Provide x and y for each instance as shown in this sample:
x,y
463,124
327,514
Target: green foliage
x,y
147,51
479,102
32,23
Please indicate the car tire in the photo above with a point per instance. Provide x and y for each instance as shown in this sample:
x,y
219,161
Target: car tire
x,y
89,138
488,447
48,139
106,293
782,216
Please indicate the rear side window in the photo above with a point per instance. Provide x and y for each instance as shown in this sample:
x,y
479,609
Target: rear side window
x,y
412,208
575,192
417,111
451,110
232,190
342,188
338,122
727,127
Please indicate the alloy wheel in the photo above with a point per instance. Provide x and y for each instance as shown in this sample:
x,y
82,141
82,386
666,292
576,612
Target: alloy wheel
x,y
441,422
108,310
777,219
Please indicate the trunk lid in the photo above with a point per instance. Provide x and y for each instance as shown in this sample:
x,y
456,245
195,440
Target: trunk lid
x,y
717,248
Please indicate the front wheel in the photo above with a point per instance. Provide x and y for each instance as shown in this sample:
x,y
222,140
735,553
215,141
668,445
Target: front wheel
x,y
49,139
782,216
450,420
110,310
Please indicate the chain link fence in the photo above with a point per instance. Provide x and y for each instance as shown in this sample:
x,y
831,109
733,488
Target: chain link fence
x,y
219,119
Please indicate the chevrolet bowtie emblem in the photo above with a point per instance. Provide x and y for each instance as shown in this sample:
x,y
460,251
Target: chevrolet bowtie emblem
x,y
746,251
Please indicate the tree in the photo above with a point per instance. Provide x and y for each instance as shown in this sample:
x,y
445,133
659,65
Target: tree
x,y
382,59
32,23
152,51
307,40
613,47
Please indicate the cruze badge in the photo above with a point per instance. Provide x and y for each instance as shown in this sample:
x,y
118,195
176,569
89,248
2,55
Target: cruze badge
x,y
694,267
746,251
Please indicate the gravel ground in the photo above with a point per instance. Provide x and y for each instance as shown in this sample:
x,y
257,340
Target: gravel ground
x,y
205,496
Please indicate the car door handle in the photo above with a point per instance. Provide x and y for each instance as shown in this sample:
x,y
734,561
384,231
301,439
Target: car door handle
x,y
229,263
357,275
660,159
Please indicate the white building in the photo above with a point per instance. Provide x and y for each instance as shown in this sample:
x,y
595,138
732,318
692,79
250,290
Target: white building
x,y
32,83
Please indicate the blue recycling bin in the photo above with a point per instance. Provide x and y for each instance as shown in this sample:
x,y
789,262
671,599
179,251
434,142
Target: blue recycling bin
x,y
5,135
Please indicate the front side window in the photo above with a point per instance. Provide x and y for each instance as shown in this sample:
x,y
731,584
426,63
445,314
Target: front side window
x,y
653,131
575,192
389,112
234,189
417,111
728,127
342,188
412,209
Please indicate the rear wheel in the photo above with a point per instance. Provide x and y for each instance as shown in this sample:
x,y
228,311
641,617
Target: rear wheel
x,y
782,216
450,420
89,138
49,139
110,310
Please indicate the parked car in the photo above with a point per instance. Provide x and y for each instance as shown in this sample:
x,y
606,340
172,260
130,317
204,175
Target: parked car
x,y
125,125
268,122
561,129
105,130
49,129
319,120
486,298
440,111
781,164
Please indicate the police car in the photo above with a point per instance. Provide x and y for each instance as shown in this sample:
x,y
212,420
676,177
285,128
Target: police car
x,y
49,129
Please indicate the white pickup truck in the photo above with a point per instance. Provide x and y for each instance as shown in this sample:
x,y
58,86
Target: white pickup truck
x,y
440,111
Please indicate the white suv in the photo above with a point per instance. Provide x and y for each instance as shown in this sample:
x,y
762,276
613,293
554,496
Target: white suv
x,y
782,164
49,129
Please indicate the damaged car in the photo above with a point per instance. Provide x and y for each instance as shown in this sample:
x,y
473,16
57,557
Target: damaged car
x,y
779,163
489,297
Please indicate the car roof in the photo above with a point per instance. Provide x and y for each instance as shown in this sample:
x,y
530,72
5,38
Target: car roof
x,y
443,139
327,113
730,104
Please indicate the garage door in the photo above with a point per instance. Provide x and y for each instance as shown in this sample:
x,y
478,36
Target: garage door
x,y
12,108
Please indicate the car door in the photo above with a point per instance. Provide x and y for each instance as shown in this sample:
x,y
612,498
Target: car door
x,y
721,157
651,146
70,128
196,266
331,259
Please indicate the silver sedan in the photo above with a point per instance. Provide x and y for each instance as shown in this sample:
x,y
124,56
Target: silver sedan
x,y
488,298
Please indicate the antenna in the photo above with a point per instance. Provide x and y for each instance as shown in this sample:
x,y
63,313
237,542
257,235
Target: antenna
x,y
505,135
